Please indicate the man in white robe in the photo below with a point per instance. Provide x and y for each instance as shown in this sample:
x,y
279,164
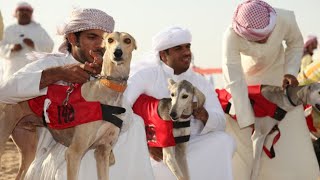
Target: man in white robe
x,y
210,149
253,53
83,33
20,38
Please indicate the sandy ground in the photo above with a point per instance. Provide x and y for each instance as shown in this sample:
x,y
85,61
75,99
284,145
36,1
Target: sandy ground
x,y
9,162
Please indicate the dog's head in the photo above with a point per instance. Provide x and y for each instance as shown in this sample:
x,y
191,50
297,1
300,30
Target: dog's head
x,y
182,94
314,95
119,47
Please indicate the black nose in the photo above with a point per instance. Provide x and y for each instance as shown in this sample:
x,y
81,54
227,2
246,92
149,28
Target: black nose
x,y
173,115
118,53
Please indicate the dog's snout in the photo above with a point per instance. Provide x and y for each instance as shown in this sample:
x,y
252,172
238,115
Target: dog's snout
x,y
118,53
173,115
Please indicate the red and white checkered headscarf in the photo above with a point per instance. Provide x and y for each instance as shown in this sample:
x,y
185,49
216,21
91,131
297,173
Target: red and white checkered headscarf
x,y
22,5
254,20
309,40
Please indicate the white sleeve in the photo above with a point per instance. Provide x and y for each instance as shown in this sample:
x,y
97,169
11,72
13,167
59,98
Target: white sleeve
x,y
294,49
216,120
234,79
5,45
137,84
24,84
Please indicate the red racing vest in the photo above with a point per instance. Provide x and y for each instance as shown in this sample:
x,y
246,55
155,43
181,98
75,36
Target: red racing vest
x,y
78,111
261,106
159,132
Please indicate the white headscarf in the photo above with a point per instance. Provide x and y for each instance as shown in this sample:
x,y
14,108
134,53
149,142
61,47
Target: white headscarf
x,y
165,39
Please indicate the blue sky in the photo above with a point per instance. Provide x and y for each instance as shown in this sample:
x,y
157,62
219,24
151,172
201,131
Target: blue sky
x,y
206,19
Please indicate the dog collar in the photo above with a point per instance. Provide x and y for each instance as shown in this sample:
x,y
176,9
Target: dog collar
x,y
114,86
289,98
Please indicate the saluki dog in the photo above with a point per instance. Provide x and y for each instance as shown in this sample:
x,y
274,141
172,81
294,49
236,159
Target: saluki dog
x,y
179,109
19,121
285,99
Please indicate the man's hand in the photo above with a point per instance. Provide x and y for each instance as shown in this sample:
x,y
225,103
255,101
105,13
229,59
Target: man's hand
x,y
289,80
94,67
201,114
156,153
16,48
29,42
72,73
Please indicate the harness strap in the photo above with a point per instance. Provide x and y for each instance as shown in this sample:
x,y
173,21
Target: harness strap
x,y
278,115
270,153
182,139
183,124
289,98
108,114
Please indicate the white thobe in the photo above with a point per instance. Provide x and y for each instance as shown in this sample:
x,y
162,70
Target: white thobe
x,y
210,149
131,152
14,34
249,63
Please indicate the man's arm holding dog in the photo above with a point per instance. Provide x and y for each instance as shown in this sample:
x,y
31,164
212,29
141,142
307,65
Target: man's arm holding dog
x,y
30,81
73,73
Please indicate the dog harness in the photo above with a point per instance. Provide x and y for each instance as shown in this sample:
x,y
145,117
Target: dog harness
x,y
65,112
261,107
159,132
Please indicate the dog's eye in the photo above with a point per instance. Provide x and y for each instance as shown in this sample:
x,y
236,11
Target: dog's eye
x,y
110,40
127,40
172,94
319,92
184,96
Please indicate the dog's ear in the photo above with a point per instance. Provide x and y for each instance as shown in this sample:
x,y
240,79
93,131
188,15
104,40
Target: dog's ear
x,y
201,99
134,44
171,82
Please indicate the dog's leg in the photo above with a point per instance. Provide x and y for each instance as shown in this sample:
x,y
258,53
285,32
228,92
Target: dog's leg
x,y
9,117
102,155
181,157
170,160
81,142
26,142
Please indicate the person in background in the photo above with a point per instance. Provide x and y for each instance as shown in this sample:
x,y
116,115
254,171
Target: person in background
x,y
20,38
309,46
80,55
210,148
253,54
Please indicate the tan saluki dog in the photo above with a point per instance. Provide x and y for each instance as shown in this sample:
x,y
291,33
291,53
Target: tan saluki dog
x,y
19,121
179,108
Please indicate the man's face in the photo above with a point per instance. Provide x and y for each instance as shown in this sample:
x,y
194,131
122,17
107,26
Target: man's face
x,y
88,40
178,57
24,16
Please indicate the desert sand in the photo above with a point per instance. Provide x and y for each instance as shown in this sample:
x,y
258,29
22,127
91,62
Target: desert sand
x,y
9,162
